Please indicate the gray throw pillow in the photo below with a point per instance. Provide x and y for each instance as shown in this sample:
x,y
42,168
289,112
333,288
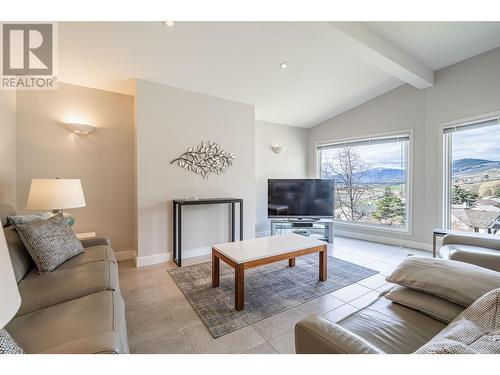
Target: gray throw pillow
x,y
50,242
29,218
8,345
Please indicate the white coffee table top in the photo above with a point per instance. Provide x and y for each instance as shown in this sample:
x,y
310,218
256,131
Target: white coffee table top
x,y
265,247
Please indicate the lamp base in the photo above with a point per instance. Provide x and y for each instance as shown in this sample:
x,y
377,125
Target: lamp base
x,y
70,219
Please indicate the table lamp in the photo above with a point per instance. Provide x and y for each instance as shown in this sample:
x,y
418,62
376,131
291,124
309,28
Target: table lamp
x,y
56,194
10,300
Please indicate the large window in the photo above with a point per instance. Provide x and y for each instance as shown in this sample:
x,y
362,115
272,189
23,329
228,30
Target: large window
x,y
371,179
472,176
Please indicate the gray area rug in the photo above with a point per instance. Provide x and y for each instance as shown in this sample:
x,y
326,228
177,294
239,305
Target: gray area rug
x,y
269,289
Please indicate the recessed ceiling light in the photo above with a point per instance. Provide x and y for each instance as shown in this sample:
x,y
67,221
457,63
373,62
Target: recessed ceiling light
x,y
284,65
169,23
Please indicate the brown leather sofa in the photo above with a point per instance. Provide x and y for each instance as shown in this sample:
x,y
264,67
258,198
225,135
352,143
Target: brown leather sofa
x,y
385,326
77,308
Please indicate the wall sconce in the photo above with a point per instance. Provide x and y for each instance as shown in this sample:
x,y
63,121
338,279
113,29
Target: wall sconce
x,y
277,149
80,129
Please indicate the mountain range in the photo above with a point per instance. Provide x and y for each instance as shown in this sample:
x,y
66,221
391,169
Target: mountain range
x,y
393,175
382,175
465,166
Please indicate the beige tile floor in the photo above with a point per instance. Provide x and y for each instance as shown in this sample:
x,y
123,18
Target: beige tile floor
x,y
161,320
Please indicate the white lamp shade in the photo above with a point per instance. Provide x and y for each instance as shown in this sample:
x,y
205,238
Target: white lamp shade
x,y
10,300
55,194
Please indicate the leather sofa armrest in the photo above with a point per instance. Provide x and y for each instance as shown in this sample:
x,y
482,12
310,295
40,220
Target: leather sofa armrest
x,y
482,259
316,335
105,343
96,241
472,240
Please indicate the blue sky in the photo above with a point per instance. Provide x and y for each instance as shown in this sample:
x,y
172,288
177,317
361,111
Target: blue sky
x,y
377,156
481,143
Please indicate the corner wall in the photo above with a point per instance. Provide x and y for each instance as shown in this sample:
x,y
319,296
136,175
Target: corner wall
x,y
290,163
466,89
104,160
169,121
8,147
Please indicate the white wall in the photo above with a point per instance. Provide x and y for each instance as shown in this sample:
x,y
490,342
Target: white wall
x,y
398,110
168,122
290,163
465,89
8,147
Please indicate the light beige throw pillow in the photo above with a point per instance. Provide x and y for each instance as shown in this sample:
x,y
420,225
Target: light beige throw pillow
x,y
457,282
428,304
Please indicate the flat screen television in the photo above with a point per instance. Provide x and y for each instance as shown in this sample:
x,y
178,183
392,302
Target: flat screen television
x,y
300,198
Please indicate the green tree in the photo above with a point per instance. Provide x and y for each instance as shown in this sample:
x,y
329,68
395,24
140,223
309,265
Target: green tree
x,y
390,208
497,192
460,195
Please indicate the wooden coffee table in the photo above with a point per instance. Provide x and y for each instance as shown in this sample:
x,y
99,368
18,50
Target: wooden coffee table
x,y
242,255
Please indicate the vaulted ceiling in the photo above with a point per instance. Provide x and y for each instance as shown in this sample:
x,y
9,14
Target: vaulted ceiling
x,y
332,67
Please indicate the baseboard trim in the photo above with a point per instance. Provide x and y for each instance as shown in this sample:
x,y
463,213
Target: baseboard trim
x,y
383,239
167,257
153,259
196,252
264,233
125,255
206,250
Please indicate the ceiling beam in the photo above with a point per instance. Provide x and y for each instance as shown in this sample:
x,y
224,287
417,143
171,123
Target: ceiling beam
x,y
379,52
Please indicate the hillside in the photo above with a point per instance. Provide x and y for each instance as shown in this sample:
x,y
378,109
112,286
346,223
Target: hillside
x,y
465,166
382,175
460,167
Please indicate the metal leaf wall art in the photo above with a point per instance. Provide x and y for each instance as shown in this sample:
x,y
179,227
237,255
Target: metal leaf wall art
x,y
206,158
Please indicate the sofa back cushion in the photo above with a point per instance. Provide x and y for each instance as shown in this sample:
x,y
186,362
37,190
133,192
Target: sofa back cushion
x,y
19,256
436,307
6,211
457,282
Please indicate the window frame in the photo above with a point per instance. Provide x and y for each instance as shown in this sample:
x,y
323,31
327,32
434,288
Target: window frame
x,y
445,153
408,228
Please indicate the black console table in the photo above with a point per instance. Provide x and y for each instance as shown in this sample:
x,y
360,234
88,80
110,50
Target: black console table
x,y
177,220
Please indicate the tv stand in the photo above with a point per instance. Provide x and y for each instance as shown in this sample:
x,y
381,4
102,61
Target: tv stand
x,y
321,229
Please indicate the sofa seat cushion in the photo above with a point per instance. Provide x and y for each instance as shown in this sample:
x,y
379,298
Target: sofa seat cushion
x,y
91,254
47,289
480,256
87,325
392,328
